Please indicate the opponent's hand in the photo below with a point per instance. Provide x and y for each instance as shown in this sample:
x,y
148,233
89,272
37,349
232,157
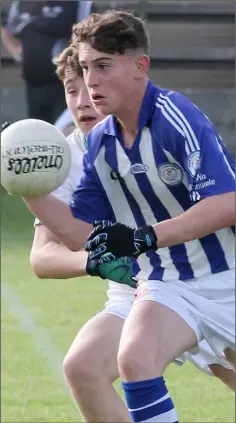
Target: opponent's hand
x,y
120,240
118,270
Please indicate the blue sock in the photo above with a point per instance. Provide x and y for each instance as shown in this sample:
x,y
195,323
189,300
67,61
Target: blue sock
x,y
149,401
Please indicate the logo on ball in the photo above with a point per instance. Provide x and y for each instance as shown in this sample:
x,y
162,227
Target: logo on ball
x,y
35,158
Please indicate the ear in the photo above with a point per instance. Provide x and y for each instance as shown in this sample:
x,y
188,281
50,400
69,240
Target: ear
x,y
142,65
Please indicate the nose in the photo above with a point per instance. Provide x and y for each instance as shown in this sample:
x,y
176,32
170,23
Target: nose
x,y
83,100
91,79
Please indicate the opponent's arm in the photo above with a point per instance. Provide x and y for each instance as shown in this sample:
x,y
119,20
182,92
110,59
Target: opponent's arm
x,y
58,218
50,259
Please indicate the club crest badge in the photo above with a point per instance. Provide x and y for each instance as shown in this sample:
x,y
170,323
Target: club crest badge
x,y
193,162
170,174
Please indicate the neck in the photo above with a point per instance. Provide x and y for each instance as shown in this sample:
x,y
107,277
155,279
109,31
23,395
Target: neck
x,y
128,116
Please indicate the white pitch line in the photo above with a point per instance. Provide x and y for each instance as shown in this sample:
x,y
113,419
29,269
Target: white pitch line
x,y
39,335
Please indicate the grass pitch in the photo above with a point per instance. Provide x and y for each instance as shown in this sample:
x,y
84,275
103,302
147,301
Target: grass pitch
x,y
39,321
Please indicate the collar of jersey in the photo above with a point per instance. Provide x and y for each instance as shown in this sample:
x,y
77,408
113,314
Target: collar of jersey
x,y
146,111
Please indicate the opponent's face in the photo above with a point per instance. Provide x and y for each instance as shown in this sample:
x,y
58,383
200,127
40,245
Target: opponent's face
x,y
78,101
111,78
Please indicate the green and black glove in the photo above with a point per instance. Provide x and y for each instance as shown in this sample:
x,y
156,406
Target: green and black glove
x,y
118,270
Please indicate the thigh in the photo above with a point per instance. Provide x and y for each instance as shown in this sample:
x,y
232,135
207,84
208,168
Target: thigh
x,y
231,356
207,304
227,376
156,333
97,343
120,299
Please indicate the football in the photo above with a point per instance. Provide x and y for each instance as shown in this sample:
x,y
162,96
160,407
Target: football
x,y
35,158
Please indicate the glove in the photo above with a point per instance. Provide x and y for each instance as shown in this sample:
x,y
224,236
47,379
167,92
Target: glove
x,y
120,240
4,126
118,270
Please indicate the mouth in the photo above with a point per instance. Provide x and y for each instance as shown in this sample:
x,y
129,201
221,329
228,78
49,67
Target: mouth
x,y
87,119
97,97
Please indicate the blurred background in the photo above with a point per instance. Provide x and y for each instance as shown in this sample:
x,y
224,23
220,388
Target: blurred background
x,y
192,51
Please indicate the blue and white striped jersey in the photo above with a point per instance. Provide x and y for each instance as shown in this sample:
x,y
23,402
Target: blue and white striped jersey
x,y
177,159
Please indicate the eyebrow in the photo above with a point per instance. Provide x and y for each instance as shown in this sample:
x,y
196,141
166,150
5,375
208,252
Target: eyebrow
x,y
69,81
82,62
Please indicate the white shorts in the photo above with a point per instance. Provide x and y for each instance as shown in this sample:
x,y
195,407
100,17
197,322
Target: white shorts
x,y
207,304
121,299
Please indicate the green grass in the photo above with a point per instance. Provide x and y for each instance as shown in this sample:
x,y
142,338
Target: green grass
x,y
31,392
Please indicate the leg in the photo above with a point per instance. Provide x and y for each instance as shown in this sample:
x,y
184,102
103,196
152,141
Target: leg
x,y
155,332
231,356
152,337
227,376
90,368
207,361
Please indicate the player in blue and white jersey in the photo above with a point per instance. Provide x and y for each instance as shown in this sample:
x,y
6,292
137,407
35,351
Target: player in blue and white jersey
x,y
157,158
137,189
88,366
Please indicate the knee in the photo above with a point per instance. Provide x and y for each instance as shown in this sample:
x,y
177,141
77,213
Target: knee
x,y
80,366
135,363
128,363
86,365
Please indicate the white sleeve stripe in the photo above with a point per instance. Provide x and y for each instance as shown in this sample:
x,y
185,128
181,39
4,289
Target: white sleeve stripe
x,y
225,158
189,146
175,116
167,116
183,118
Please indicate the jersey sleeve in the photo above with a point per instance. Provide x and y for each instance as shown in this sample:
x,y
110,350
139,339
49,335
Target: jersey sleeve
x,y
89,201
202,152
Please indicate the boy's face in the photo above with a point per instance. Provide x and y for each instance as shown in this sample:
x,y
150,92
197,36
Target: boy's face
x,y
111,78
77,98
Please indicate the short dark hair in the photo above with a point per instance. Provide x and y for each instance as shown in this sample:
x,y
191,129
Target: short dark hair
x,y
67,58
112,32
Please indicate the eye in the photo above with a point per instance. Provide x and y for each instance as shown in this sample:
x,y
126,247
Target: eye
x,y
102,65
71,91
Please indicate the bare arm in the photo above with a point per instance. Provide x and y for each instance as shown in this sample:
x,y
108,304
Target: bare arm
x,y
52,260
11,43
58,218
207,216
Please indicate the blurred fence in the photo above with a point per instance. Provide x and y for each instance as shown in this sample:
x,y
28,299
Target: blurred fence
x,y
192,50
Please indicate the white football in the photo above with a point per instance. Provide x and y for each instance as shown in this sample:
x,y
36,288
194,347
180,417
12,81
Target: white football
x,y
35,158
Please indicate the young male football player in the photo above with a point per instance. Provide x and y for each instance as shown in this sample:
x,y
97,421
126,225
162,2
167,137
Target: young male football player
x,y
89,367
151,162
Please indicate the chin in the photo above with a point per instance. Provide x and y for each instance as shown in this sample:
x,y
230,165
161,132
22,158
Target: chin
x,y
104,110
